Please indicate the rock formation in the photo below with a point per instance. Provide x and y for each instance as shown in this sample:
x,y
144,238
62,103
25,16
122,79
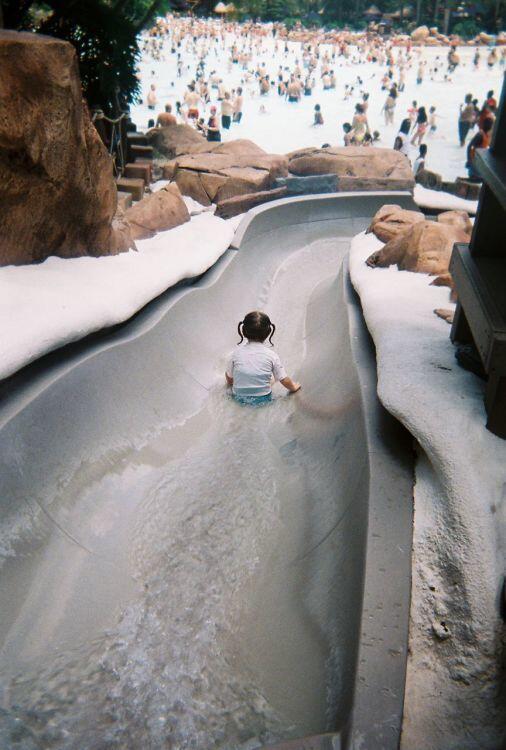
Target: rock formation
x,y
420,34
57,190
357,168
157,212
425,247
225,170
174,140
391,220
457,218
241,203
217,172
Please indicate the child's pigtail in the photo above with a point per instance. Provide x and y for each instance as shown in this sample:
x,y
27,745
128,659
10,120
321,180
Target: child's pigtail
x,y
273,331
239,331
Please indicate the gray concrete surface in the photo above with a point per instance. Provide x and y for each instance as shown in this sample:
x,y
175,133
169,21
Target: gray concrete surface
x,y
179,571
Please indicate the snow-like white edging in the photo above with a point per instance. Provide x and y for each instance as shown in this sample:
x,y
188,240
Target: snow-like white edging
x,y
45,306
459,555
426,198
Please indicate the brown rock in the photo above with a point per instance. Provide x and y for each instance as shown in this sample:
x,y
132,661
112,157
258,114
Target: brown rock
x,y
242,180
372,184
420,34
467,189
299,152
239,147
457,219
214,161
425,247
175,140
57,190
385,166
428,179
205,161
485,38
391,220
212,183
169,169
241,203
157,212
189,183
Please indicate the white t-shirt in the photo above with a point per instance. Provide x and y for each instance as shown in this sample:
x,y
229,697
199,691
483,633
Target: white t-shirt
x,y
252,365
404,149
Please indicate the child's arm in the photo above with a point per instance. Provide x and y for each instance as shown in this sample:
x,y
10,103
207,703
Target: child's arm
x,y
280,374
229,379
290,385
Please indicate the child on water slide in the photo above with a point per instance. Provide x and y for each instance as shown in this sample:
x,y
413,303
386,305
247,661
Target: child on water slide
x,y
253,365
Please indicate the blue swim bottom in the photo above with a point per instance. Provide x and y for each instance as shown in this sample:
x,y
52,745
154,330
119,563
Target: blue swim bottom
x,y
253,400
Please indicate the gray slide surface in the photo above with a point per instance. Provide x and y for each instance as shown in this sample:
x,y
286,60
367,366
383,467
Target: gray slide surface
x,y
179,571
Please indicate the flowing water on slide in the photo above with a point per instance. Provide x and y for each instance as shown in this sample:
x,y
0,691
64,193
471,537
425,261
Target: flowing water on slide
x,y
219,567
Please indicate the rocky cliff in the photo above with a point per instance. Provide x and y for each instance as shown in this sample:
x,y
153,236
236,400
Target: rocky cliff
x,y
57,192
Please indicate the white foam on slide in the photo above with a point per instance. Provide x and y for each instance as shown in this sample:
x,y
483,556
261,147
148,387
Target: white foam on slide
x,y
48,305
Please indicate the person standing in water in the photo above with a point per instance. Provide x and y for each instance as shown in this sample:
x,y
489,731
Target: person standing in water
x,y
213,128
389,106
227,109
253,365
238,104
402,139
421,125
359,124
466,118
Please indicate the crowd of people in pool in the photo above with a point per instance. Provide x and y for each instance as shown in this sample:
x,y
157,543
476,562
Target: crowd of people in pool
x,y
312,67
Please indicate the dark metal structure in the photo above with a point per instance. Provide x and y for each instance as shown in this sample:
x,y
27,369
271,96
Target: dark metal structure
x,y
479,273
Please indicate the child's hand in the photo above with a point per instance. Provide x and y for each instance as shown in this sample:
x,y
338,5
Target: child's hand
x,y
290,385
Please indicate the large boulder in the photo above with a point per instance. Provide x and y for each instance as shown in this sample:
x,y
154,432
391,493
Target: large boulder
x,y
425,247
391,220
357,168
225,170
458,219
433,41
239,204
175,140
484,38
239,147
57,191
157,212
420,34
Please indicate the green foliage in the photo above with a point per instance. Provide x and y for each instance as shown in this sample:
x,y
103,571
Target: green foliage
x,y
104,34
253,8
349,13
467,29
275,10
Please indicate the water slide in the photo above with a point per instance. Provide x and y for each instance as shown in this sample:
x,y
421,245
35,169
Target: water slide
x,y
179,571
